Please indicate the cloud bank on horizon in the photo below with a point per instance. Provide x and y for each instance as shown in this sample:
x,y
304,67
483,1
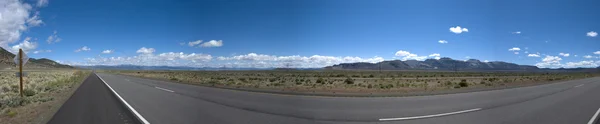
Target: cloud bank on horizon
x,y
297,38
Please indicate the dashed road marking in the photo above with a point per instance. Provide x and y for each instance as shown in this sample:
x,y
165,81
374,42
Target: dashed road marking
x,y
428,116
164,89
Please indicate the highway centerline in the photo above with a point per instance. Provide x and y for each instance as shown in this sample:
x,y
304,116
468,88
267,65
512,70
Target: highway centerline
x,y
594,117
429,116
579,85
164,89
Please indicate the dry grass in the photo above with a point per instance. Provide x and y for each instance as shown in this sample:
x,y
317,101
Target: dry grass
x,y
354,81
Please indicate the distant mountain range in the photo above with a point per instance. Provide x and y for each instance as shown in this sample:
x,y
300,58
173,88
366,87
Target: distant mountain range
x,y
6,61
446,64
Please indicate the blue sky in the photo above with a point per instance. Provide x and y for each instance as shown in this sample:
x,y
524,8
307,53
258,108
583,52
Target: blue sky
x,y
303,33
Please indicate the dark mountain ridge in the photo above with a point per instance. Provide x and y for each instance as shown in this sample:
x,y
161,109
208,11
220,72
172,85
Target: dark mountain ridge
x,y
445,64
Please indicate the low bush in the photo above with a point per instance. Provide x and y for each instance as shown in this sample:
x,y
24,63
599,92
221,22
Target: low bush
x,y
463,84
320,81
14,88
272,79
349,81
13,101
5,89
389,86
28,92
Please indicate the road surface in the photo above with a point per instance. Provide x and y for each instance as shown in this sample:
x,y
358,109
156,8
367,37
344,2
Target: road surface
x,y
159,102
93,103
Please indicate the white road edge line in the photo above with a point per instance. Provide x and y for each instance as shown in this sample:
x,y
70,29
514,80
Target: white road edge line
x,y
123,100
594,117
579,85
164,89
428,116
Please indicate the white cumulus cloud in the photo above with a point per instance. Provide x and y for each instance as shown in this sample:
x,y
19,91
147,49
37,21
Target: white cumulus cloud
x,y
145,50
554,62
435,56
192,57
35,20
587,56
550,62
585,64
15,17
84,48
517,32
163,59
409,56
443,41
458,30
533,55
41,51
53,38
402,53
553,59
597,52
514,49
42,3
564,54
314,61
194,43
592,34
26,45
250,60
212,43
107,51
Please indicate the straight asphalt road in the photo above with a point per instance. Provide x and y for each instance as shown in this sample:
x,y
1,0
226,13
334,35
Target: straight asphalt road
x,y
93,103
572,102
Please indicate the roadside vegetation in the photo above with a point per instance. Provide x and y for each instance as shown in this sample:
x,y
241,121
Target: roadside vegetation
x,y
355,81
43,91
